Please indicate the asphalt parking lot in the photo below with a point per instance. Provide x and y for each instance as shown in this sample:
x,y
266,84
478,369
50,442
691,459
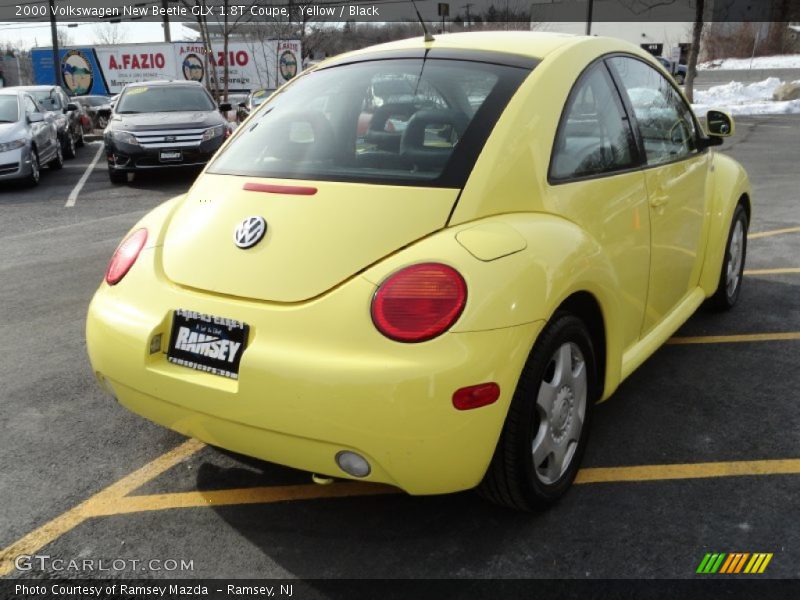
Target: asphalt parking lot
x,y
698,452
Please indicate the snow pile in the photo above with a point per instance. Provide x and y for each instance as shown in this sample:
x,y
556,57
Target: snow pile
x,y
782,61
744,99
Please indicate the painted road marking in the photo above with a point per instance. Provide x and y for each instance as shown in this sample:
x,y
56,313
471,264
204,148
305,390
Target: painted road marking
x,y
67,521
73,195
115,501
790,466
730,339
762,234
256,495
772,271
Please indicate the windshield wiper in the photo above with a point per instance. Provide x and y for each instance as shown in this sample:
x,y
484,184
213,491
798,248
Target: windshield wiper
x,y
128,112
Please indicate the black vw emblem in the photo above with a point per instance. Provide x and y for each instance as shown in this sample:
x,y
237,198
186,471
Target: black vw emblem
x,y
170,138
249,232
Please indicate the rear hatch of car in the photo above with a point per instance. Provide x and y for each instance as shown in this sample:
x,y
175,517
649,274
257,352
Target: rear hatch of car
x,y
318,234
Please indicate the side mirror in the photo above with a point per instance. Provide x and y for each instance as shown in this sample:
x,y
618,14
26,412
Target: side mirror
x,y
225,106
35,117
72,106
242,104
719,123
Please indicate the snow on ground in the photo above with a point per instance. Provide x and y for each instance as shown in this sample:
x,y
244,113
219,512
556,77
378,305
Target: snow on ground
x,y
783,61
744,99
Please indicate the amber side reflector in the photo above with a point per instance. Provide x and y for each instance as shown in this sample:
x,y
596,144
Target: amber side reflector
x,y
297,190
476,396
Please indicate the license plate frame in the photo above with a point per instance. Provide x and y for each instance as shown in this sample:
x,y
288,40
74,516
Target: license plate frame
x,y
170,155
207,343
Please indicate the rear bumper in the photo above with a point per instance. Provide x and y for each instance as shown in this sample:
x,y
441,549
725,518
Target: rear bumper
x,y
307,389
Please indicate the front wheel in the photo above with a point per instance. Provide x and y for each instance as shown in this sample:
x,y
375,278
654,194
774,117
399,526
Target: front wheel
x,y
58,161
546,429
69,146
35,175
730,278
117,177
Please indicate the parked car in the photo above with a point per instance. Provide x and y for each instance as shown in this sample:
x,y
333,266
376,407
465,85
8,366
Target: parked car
x,y
442,313
253,101
27,140
680,70
63,112
98,109
163,124
235,100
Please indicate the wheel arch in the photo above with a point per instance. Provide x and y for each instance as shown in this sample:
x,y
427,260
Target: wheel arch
x,y
585,306
731,187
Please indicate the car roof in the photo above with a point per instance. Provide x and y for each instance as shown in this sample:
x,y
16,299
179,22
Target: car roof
x,y
533,44
529,47
36,88
164,83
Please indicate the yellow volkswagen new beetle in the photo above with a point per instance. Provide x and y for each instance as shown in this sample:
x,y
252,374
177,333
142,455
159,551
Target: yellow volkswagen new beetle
x,y
422,263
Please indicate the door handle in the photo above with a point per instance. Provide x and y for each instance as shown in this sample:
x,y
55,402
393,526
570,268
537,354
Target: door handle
x,y
659,200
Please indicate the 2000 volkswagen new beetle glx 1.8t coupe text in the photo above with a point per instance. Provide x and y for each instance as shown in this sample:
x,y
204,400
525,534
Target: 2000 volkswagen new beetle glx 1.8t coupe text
x,y
428,289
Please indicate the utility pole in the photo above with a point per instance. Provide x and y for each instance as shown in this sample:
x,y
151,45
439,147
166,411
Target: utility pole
x,y
589,7
54,35
467,7
165,21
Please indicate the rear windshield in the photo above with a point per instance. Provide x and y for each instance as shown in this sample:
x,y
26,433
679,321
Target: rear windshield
x,y
172,98
8,109
401,121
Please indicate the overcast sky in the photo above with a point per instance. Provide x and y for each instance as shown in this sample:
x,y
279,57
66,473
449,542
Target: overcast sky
x,y
85,34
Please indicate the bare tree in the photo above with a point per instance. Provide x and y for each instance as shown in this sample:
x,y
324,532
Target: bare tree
x,y
110,33
64,37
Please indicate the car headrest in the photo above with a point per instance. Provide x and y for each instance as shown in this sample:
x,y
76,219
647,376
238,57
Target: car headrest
x,y
303,135
412,144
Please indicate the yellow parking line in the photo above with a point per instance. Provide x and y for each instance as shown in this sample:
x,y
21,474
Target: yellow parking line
x,y
788,270
789,466
729,339
38,538
256,495
761,234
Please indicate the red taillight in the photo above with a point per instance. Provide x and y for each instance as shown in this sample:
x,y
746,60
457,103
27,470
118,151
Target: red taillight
x,y
476,396
124,256
419,302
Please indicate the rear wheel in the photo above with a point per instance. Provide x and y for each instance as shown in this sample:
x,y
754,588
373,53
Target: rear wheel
x,y
102,121
730,277
680,78
80,143
547,425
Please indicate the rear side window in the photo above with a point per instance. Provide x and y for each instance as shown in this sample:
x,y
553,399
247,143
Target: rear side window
x,y
594,137
398,121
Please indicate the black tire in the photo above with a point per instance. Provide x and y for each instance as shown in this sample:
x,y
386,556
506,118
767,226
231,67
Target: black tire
x,y
68,147
117,177
728,291
80,143
36,171
58,162
513,479
102,122
679,78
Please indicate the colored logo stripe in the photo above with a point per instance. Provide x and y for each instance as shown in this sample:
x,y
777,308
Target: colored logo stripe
x,y
721,562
